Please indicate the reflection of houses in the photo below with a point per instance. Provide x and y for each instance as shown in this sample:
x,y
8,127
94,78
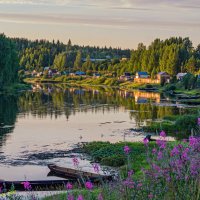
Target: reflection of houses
x,y
125,93
142,96
180,76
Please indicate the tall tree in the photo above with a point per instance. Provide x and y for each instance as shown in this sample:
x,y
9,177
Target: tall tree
x,y
78,62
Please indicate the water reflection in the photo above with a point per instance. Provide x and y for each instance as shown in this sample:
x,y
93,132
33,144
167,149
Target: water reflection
x,y
8,113
38,126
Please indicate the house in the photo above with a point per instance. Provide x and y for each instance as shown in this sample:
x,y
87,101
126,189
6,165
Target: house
x,y
46,68
80,73
125,77
180,76
142,75
96,75
123,59
163,77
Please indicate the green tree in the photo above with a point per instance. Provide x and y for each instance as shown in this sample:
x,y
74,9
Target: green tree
x,y
78,61
8,62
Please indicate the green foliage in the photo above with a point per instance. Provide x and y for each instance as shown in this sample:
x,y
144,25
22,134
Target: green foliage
x,y
8,62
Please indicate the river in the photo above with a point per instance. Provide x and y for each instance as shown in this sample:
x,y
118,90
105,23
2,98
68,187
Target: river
x,y
37,127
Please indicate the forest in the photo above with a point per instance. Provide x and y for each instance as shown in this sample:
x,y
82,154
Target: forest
x,y
8,61
172,55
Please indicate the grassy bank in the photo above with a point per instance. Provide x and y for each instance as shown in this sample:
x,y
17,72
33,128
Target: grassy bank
x,y
182,125
176,88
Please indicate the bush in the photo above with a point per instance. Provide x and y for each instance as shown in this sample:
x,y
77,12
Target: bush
x,y
113,161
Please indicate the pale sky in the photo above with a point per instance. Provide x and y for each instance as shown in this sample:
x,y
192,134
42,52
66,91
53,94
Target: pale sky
x,y
116,23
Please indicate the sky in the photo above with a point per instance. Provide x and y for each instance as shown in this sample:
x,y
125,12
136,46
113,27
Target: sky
x,y
116,23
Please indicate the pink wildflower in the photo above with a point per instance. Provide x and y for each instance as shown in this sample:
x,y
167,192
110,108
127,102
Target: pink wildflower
x,y
198,121
163,134
193,141
75,161
154,150
160,155
139,185
127,149
145,141
130,173
150,196
69,186
175,151
89,185
80,197
96,167
100,196
70,197
161,143
27,185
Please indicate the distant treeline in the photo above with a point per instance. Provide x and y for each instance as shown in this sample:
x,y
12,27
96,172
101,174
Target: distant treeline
x,y
42,53
8,61
171,55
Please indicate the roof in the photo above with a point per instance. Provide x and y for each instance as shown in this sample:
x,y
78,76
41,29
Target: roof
x,y
162,73
181,74
142,73
80,73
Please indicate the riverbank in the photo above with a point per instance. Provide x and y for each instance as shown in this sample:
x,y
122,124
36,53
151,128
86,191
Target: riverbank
x,y
163,171
171,89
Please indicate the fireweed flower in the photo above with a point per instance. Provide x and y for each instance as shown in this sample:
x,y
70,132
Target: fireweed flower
x,y
193,142
198,121
127,149
175,151
128,183
145,141
154,150
130,173
96,167
160,155
163,134
100,196
27,185
161,143
89,185
80,197
150,196
75,161
185,154
69,186
70,197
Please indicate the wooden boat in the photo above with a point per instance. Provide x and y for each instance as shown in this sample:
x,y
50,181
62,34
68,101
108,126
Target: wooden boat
x,y
44,185
77,174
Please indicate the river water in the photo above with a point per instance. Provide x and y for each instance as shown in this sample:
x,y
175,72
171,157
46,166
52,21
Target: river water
x,y
37,127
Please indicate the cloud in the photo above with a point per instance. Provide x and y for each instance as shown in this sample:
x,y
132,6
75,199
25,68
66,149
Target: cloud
x,y
91,21
117,4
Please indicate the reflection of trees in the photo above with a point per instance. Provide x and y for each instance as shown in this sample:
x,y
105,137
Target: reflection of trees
x,y
8,113
54,101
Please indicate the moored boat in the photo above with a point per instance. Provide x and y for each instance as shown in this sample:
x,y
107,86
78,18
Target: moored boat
x,y
77,174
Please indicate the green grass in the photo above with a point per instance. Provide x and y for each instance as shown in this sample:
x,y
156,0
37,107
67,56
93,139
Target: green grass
x,y
113,154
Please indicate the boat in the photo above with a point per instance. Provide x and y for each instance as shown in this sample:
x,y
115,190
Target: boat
x,y
77,174
38,185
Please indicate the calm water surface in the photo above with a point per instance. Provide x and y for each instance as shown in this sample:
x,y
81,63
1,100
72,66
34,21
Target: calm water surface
x,y
37,127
